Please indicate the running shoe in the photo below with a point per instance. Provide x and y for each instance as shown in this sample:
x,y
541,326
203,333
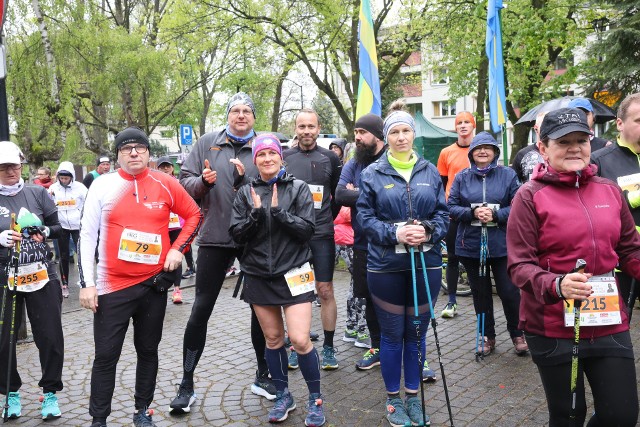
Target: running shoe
x,y
263,386
142,418
315,415
520,345
370,359
176,297
329,361
181,404
363,340
414,410
313,336
65,291
487,348
284,404
293,359
428,375
50,408
396,413
15,408
188,273
350,335
318,303
450,310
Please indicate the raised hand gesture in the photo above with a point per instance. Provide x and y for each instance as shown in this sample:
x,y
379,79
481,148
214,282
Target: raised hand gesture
x,y
209,176
274,196
257,203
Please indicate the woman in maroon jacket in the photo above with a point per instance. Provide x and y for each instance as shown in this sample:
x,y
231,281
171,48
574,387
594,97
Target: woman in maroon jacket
x,y
563,214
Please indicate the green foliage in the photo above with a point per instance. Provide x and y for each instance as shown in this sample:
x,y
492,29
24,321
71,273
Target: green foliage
x,y
613,63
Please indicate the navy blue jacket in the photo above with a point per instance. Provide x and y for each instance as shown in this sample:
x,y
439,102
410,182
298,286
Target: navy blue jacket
x,y
386,198
499,185
350,174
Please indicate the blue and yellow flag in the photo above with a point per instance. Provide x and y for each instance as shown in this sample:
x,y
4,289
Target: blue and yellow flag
x,y
369,85
497,98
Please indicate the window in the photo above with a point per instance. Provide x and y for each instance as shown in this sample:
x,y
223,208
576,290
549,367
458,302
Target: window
x,y
439,76
444,108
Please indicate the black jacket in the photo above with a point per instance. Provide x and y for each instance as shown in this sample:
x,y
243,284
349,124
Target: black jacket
x,y
318,166
616,161
275,239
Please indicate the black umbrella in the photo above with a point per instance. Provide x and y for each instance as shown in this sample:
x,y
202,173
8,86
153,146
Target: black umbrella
x,y
603,113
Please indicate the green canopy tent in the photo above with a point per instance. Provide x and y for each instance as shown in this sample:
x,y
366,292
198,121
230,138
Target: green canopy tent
x,y
430,139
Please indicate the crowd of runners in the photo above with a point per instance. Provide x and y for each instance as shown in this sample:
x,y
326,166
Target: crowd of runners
x,y
556,233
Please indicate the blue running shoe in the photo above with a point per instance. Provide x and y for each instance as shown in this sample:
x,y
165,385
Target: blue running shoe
x,y
315,417
142,418
396,413
428,375
284,404
370,359
329,361
50,408
292,363
414,409
15,408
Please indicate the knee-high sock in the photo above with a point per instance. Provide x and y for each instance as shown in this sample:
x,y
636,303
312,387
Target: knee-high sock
x,y
310,368
278,367
259,343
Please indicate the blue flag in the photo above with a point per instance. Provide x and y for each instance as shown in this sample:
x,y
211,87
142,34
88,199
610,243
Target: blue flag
x,y
497,98
369,100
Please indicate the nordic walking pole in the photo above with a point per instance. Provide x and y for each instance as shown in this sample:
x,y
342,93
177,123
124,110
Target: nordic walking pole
x,y
580,266
632,299
430,227
15,259
416,322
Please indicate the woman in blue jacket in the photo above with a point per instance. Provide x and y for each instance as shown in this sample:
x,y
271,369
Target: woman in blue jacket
x,y
402,204
480,200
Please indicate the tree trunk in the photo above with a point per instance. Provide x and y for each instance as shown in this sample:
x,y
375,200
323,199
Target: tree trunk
x,y
275,115
483,75
56,112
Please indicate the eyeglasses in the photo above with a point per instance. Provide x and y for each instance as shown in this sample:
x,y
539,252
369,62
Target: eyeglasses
x,y
127,149
244,111
13,168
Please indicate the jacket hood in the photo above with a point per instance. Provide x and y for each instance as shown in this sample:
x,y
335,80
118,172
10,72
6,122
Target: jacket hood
x,y
483,138
68,168
545,173
340,142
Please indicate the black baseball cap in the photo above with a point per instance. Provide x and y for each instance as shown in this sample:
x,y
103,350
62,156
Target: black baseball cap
x,y
560,122
164,159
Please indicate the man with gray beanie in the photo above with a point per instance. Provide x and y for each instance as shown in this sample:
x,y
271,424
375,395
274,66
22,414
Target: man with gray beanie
x,y
369,147
220,163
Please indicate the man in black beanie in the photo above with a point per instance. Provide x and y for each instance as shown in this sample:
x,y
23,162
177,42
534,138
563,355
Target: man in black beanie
x,y
369,147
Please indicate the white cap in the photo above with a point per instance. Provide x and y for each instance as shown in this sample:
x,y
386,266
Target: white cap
x,y
10,153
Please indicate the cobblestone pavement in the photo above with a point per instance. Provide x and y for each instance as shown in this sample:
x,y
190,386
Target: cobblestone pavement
x,y
502,390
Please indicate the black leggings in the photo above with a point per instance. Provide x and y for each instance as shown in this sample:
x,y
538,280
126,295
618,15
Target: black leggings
x,y
482,293
453,270
614,388
110,323
212,268
63,244
44,310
